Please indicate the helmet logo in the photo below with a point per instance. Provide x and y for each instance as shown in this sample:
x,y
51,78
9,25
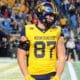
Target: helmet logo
x,y
48,9
41,8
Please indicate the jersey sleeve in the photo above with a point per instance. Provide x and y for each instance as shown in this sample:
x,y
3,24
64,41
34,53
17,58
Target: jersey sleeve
x,y
22,33
61,34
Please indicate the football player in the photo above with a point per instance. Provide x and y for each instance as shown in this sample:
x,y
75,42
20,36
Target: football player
x,y
45,46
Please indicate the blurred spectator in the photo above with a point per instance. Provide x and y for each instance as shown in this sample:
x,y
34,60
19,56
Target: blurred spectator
x,y
6,13
22,1
31,5
73,22
7,25
72,8
23,8
13,24
78,18
34,19
3,31
78,48
58,3
78,36
4,47
72,35
3,8
65,6
66,33
21,25
70,46
29,19
77,4
63,21
11,3
64,25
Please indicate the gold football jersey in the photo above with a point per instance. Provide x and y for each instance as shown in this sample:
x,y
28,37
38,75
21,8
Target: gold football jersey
x,y
42,52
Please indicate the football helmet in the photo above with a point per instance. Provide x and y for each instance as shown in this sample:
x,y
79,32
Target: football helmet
x,y
44,9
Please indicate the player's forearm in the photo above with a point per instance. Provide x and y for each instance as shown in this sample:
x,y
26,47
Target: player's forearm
x,y
60,68
61,57
22,61
23,67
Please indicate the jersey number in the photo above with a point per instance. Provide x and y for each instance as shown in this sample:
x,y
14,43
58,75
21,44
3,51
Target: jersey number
x,y
40,46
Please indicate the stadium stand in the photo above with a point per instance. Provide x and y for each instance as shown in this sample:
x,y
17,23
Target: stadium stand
x,y
14,14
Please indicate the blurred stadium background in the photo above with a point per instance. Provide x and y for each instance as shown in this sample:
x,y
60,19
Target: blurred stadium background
x,y
14,14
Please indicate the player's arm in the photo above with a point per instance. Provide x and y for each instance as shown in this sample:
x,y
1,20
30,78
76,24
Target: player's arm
x,y
61,56
21,55
22,52
23,48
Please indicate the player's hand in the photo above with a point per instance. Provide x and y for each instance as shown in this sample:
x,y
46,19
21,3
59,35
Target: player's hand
x,y
55,78
28,77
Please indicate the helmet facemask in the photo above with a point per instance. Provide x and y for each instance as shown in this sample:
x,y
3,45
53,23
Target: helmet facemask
x,y
49,20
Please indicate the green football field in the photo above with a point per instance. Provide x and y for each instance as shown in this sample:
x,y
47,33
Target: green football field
x,y
9,70
77,69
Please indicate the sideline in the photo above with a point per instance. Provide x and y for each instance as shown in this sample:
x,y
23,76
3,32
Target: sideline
x,y
72,72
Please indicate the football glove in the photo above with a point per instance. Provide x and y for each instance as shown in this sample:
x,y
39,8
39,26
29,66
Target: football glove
x,y
28,77
55,78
